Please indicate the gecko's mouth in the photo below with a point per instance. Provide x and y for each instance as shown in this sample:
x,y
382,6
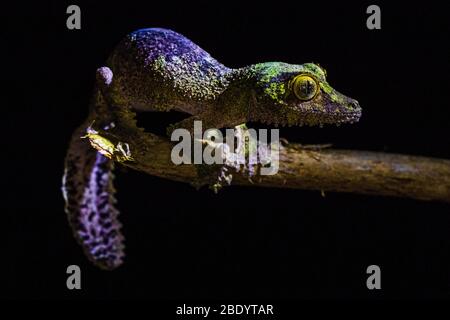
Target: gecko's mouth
x,y
313,119
311,131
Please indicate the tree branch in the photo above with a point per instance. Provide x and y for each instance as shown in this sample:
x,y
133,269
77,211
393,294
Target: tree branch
x,y
303,167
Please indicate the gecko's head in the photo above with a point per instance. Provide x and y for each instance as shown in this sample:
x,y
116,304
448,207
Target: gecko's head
x,y
300,95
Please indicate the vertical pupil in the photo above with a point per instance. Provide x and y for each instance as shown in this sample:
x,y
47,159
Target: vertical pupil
x,y
307,87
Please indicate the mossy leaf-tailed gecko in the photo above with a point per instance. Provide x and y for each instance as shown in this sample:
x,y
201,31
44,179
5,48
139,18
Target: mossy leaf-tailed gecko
x,y
161,70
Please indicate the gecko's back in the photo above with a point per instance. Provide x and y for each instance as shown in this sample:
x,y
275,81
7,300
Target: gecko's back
x,y
161,66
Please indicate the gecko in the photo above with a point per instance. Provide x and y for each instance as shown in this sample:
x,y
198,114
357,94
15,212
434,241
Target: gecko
x,y
159,70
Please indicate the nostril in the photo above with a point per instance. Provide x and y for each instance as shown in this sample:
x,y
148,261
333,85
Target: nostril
x,y
354,104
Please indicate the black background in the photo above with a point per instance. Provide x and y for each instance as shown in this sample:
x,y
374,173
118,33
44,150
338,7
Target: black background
x,y
244,243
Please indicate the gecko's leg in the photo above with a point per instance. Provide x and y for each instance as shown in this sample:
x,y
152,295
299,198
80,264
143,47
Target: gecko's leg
x,y
248,156
213,174
234,157
89,196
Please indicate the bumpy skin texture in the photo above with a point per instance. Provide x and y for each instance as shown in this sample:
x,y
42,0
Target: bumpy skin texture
x,y
161,70
89,195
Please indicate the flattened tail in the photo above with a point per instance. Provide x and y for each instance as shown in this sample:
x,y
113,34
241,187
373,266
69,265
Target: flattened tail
x,y
89,202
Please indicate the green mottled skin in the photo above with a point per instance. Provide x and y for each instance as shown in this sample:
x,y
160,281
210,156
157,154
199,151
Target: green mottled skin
x,y
160,70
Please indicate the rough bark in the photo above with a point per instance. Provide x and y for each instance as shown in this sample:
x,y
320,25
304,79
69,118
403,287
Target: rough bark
x,y
303,167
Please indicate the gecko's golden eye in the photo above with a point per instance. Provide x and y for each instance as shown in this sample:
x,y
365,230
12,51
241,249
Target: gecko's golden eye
x,y
305,87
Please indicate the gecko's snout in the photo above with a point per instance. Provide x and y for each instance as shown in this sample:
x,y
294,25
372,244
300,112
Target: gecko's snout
x,y
354,114
354,104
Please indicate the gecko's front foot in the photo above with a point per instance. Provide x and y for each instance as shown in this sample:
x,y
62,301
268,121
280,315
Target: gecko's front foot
x,y
250,157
